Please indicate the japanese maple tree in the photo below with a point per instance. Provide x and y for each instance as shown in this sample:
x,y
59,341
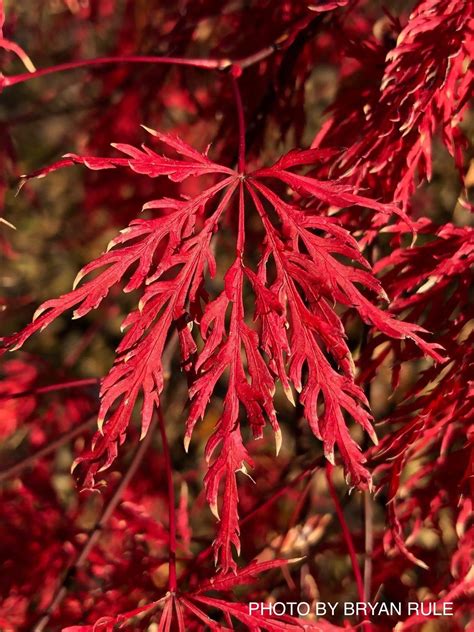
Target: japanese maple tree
x,y
282,315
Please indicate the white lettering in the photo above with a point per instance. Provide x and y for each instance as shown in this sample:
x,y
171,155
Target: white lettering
x,y
303,609
396,608
291,605
353,608
448,608
426,608
320,609
253,605
349,608
332,607
279,608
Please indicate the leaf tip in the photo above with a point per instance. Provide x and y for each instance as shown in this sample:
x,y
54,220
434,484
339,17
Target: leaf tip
x,y
329,454
214,509
78,279
295,560
289,394
278,441
38,313
149,130
100,425
7,223
186,442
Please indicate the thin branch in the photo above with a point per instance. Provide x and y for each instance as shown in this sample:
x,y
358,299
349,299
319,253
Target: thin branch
x,y
255,58
369,543
280,43
347,536
207,64
297,510
96,532
51,388
16,469
277,494
290,525
368,500
171,504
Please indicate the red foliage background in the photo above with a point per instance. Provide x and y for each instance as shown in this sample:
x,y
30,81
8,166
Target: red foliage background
x,y
284,191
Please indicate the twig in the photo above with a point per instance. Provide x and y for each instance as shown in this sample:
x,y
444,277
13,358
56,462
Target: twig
x,y
369,544
241,121
205,64
48,449
347,537
368,500
290,525
209,64
51,388
171,504
96,532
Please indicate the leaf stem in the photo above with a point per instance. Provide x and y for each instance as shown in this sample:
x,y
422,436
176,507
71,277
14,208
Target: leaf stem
x,y
171,504
241,122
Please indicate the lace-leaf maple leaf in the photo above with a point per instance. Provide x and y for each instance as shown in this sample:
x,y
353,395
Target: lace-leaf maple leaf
x,y
391,107
184,610
297,338
431,284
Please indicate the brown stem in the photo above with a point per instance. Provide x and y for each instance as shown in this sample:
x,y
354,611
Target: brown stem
x,y
96,532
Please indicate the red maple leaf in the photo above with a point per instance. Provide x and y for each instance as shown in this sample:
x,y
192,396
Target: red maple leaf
x,y
297,336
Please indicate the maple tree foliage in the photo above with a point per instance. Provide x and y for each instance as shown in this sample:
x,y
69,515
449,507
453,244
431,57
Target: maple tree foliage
x,y
257,283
